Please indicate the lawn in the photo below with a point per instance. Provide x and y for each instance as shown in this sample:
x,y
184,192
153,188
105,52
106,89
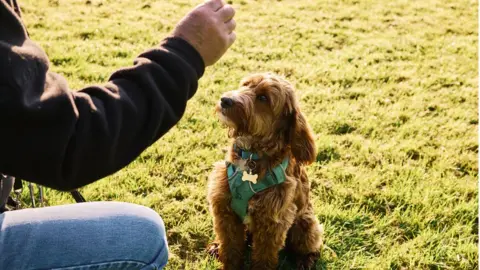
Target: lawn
x,y
389,87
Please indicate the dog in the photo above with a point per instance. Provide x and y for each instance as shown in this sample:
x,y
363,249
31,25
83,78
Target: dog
x,y
261,189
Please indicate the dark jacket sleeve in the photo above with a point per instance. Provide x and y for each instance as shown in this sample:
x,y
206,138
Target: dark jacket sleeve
x,y
65,139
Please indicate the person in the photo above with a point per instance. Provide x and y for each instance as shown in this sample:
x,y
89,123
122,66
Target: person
x,y
66,139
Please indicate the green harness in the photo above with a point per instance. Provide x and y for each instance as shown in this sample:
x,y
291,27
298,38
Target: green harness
x,y
242,191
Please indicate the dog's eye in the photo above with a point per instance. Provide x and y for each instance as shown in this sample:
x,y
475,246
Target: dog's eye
x,y
262,98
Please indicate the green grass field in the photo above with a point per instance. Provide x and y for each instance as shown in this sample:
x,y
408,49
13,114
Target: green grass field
x,y
389,87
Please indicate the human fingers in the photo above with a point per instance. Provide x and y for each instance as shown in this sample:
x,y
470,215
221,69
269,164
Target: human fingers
x,y
231,38
214,5
231,25
226,13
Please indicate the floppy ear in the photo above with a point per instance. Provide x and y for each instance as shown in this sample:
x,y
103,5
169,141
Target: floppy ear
x,y
302,143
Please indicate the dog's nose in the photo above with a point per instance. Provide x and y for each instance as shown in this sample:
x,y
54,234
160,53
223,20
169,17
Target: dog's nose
x,y
226,102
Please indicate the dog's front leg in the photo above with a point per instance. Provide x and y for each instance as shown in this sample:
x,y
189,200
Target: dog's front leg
x,y
269,238
229,230
230,235
272,215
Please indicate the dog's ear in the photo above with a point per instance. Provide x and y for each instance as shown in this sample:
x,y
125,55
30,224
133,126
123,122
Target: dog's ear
x,y
302,143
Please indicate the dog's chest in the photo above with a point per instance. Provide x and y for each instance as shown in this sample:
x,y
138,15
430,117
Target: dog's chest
x,y
244,185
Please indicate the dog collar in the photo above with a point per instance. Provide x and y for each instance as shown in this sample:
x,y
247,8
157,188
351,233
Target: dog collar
x,y
242,191
244,154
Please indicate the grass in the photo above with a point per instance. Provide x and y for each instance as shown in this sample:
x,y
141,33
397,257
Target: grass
x,y
389,87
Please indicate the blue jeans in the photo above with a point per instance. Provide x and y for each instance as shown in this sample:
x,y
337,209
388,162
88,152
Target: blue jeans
x,y
96,235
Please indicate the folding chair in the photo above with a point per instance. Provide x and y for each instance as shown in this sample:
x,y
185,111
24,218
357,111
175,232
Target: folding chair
x,y
9,184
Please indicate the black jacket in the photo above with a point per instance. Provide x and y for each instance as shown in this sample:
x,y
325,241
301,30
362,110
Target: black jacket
x,y
65,139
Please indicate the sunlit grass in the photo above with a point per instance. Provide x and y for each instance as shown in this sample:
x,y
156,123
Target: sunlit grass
x,y
389,87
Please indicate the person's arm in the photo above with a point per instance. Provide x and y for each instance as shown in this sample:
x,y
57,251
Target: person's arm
x,y
64,139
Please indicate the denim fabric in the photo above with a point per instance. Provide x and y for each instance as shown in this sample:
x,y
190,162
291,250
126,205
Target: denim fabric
x,y
97,235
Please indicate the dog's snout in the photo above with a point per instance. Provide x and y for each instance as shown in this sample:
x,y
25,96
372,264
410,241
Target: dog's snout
x,y
226,102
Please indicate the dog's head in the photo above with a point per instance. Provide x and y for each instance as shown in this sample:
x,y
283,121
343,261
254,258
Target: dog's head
x,y
265,107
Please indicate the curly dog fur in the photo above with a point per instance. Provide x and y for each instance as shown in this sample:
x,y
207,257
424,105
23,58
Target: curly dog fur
x,y
265,118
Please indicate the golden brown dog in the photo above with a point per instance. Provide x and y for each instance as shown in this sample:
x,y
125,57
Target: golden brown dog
x,y
264,118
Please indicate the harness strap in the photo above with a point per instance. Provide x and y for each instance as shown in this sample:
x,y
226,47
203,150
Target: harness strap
x,y
242,191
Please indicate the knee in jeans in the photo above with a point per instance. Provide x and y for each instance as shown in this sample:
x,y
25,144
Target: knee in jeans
x,y
160,243
152,231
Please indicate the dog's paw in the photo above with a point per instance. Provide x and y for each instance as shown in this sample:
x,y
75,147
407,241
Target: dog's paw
x,y
212,249
306,262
